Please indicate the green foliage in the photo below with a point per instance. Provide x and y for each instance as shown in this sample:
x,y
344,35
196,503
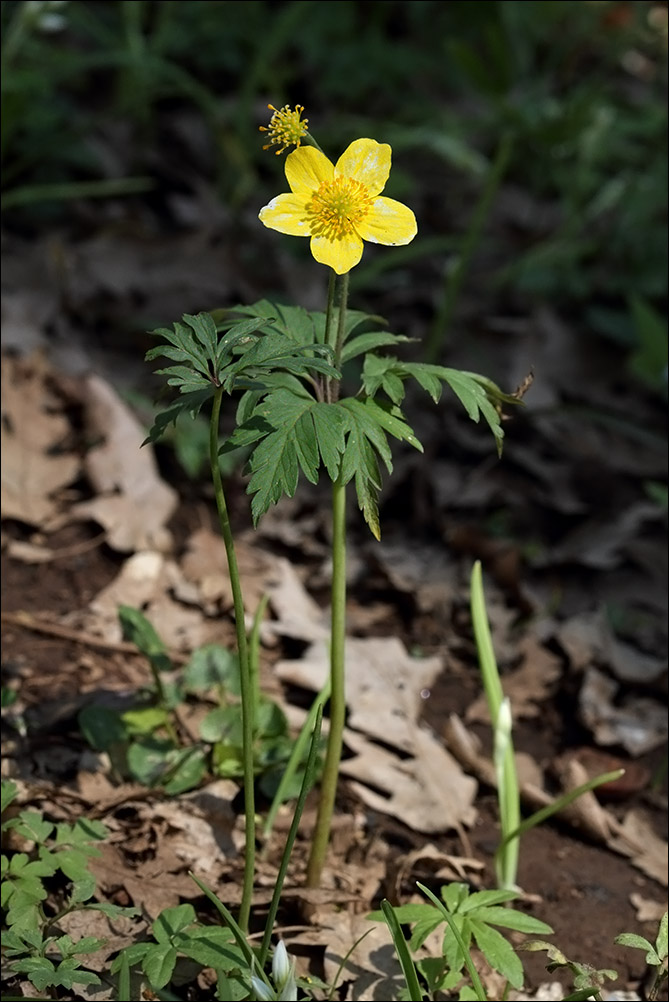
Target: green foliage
x,y
656,955
178,933
143,740
49,961
475,917
648,362
31,951
587,980
288,417
244,357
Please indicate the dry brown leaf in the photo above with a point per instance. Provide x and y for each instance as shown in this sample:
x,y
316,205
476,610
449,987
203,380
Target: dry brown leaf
x,y
647,850
151,888
116,933
443,866
421,571
146,581
133,504
585,813
599,544
205,565
428,792
372,967
298,615
526,686
33,426
647,909
588,638
639,724
383,685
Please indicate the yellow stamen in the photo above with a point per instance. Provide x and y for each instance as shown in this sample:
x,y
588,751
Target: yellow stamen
x,y
337,207
286,127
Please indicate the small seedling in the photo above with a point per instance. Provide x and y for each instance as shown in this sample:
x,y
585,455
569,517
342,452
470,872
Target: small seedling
x,y
145,740
32,910
656,956
468,917
588,980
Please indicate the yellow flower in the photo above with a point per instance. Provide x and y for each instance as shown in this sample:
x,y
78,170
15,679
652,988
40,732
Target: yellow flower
x,y
338,206
285,127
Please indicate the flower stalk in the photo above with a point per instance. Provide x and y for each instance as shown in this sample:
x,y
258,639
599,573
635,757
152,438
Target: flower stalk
x,y
246,680
335,742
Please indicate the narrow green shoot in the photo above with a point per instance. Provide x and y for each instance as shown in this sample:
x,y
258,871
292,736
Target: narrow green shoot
x,y
307,783
402,950
246,679
123,978
296,757
330,776
254,653
558,805
508,794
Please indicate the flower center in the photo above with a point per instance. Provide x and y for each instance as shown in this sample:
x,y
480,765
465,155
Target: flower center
x,y
337,207
285,127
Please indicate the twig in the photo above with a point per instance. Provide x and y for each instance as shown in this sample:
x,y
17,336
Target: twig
x,y
30,622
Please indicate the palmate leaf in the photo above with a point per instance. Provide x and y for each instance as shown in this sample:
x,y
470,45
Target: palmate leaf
x,y
251,354
306,327
274,352
303,432
478,395
296,433
197,344
370,341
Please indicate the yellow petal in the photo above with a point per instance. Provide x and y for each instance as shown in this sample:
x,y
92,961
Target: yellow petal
x,y
388,222
287,214
306,169
368,162
340,255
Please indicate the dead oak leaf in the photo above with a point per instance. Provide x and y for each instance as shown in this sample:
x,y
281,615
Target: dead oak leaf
x,y
527,686
133,504
33,427
428,792
383,685
146,581
638,840
205,566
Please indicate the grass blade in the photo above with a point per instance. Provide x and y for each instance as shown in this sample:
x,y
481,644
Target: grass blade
x,y
402,951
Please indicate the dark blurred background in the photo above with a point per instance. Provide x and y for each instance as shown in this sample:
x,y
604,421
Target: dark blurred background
x,y
530,139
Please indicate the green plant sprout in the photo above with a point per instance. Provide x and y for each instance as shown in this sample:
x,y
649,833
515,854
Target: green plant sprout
x,y
467,917
508,788
145,740
588,981
508,792
287,363
656,956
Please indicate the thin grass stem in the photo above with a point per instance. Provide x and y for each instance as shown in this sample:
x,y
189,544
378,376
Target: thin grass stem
x,y
246,681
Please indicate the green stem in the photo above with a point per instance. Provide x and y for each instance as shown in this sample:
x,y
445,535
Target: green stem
x,y
341,331
163,702
307,782
470,242
321,835
246,681
254,654
329,321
